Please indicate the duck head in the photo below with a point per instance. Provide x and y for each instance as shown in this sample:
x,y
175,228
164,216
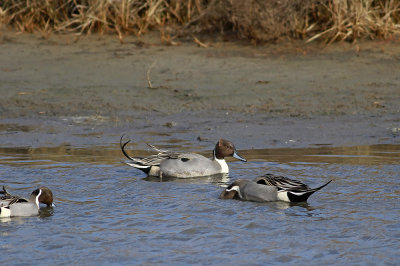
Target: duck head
x,y
43,195
225,148
232,191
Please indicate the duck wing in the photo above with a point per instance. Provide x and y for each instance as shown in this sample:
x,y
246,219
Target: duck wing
x,y
156,159
7,199
281,182
293,190
152,160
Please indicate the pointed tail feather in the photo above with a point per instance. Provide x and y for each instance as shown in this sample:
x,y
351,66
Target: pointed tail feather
x,y
318,188
299,196
4,191
144,168
123,148
135,162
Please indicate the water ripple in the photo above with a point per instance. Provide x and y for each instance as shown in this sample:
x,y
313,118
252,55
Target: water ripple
x,y
109,213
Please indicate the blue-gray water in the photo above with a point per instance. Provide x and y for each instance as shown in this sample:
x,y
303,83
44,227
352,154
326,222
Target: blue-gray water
x,y
106,213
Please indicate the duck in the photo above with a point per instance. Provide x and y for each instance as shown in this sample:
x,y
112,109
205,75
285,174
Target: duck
x,y
269,188
12,206
184,165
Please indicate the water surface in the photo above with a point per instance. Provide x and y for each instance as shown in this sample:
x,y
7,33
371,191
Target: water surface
x,y
108,212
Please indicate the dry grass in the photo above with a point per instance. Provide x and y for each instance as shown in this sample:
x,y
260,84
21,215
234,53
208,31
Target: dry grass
x,y
327,20
352,20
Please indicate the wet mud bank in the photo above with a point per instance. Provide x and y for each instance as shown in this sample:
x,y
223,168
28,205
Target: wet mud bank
x,y
60,91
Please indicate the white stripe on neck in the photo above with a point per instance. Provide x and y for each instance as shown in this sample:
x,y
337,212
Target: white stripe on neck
x,y
223,164
237,189
37,197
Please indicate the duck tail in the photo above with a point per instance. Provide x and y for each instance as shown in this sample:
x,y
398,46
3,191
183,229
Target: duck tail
x,y
136,162
144,168
303,195
123,149
4,191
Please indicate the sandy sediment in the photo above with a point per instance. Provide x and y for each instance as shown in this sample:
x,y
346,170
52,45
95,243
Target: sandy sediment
x,y
89,91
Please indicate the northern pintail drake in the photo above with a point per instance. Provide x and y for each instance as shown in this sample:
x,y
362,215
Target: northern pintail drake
x,y
269,188
184,165
11,206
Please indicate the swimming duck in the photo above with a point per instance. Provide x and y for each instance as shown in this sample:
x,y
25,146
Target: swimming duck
x,y
269,188
184,165
11,206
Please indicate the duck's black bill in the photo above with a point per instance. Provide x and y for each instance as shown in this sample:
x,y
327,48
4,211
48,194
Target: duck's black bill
x,y
237,156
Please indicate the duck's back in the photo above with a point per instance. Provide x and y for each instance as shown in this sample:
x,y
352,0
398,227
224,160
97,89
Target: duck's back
x,y
189,165
5,201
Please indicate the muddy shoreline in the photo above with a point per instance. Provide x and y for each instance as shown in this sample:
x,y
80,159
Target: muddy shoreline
x,y
64,91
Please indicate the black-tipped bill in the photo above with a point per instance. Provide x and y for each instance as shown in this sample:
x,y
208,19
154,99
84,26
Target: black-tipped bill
x,y
237,156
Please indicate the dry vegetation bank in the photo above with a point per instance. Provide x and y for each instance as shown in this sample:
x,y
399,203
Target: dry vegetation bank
x,y
256,20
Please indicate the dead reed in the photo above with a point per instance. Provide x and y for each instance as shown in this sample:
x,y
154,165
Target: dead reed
x,y
352,20
326,20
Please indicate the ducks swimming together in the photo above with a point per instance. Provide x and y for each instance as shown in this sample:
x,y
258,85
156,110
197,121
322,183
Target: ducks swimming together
x,y
188,165
184,165
11,206
269,188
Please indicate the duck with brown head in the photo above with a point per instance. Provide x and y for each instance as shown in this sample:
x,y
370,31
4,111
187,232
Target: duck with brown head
x,y
11,206
184,165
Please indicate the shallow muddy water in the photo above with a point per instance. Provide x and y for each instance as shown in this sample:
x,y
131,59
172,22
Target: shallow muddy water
x,y
107,212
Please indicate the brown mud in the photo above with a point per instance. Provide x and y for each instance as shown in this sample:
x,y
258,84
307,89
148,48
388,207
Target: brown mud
x,y
78,91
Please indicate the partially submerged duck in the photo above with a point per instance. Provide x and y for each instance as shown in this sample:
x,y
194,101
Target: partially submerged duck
x,y
269,188
11,206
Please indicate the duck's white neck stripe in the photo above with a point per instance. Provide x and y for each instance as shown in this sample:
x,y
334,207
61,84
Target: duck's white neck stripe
x,y
37,198
223,164
236,188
